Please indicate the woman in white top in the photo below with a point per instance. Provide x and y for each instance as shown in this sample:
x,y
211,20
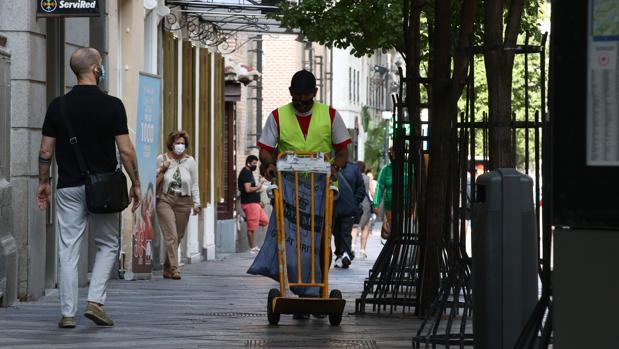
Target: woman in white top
x,y
178,195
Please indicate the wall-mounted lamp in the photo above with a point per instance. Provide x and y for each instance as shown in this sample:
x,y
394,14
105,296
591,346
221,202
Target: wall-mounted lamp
x,y
380,69
301,38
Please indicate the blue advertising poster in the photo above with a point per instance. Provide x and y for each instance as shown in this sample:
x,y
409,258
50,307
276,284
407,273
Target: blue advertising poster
x,y
147,148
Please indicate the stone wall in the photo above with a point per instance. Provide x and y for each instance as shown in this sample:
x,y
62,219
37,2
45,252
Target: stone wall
x,y
8,249
26,39
282,58
32,66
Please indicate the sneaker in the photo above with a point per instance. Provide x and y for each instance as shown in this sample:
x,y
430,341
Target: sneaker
x,y
338,262
363,255
254,250
96,313
66,322
345,260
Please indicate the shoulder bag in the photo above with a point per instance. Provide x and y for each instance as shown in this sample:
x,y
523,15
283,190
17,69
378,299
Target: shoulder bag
x,y
106,192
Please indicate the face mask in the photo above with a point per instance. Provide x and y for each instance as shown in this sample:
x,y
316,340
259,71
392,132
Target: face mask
x,y
253,168
179,149
101,74
302,105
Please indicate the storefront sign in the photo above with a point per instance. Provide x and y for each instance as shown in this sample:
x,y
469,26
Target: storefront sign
x,y
603,84
67,8
147,149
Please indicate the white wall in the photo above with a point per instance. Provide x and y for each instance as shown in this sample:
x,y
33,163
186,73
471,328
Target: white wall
x,y
344,85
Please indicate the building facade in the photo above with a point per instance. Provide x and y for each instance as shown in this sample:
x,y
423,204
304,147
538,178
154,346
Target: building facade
x,y
133,38
362,83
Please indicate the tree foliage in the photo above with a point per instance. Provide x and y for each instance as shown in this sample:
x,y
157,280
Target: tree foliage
x,y
363,25
435,38
518,97
375,140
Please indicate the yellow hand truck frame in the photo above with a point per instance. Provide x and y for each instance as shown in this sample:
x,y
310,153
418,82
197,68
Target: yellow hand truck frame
x,y
329,303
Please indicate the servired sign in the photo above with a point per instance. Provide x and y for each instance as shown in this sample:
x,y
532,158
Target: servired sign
x,y
67,8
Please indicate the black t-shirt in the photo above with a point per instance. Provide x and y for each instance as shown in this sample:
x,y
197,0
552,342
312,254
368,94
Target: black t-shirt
x,y
96,119
246,176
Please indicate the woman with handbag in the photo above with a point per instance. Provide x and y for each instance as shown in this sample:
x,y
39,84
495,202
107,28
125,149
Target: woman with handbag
x,y
178,196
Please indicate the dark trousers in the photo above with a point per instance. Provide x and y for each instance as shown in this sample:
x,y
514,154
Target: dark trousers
x,y
342,233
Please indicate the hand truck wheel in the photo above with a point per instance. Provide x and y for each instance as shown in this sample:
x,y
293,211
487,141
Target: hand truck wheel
x,y
335,320
273,318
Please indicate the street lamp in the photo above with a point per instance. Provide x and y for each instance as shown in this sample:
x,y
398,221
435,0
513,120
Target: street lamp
x,y
380,69
383,72
386,115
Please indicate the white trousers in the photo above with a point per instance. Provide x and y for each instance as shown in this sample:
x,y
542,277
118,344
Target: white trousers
x,y
73,216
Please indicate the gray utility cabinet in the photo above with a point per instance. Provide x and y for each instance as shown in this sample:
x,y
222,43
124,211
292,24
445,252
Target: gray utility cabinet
x,y
504,272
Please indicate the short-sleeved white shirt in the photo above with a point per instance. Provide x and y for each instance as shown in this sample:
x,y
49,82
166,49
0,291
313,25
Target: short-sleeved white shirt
x,y
270,133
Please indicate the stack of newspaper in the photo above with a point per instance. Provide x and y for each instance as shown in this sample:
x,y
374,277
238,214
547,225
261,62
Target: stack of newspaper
x,y
299,163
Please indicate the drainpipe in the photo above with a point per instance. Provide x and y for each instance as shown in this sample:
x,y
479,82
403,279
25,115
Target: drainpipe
x,y
331,76
258,88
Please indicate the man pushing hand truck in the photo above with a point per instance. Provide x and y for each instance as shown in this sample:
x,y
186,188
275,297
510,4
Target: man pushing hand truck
x,y
297,248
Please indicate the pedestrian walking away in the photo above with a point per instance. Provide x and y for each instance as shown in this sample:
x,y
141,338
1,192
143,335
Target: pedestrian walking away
x,y
178,196
362,230
250,201
384,193
347,211
99,125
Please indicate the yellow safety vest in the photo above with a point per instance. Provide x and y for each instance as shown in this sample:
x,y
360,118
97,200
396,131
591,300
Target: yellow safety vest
x,y
318,135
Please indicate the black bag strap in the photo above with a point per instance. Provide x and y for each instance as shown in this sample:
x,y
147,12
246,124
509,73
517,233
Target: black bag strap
x,y
72,137
345,181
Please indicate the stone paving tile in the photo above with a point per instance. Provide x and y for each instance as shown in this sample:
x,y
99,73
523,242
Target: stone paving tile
x,y
215,305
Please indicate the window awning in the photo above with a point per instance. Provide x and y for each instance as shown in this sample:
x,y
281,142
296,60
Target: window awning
x,y
214,21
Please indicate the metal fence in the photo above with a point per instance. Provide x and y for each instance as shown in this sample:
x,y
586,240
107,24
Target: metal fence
x,y
393,281
449,320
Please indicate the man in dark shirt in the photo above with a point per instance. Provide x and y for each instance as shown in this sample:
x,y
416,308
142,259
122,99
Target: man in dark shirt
x,y
347,212
250,201
100,124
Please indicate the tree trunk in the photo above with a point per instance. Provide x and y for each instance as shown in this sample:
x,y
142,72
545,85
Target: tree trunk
x,y
440,125
502,151
445,92
499,62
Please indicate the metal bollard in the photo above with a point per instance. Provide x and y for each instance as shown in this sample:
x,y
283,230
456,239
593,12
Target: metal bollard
x,y
504,271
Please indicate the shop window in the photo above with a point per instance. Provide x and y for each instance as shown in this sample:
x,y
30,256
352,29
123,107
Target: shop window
x,y
189,93
205,148
170,86
219,129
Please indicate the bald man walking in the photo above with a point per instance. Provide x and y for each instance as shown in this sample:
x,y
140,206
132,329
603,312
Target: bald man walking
x,y
99,122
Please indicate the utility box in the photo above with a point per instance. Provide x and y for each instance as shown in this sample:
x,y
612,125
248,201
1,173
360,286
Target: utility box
x,y
504,271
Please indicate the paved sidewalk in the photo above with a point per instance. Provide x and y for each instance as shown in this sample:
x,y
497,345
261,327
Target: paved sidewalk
x,y
215,305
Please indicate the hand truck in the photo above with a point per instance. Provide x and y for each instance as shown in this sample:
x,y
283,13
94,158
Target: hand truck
x,y
328,303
